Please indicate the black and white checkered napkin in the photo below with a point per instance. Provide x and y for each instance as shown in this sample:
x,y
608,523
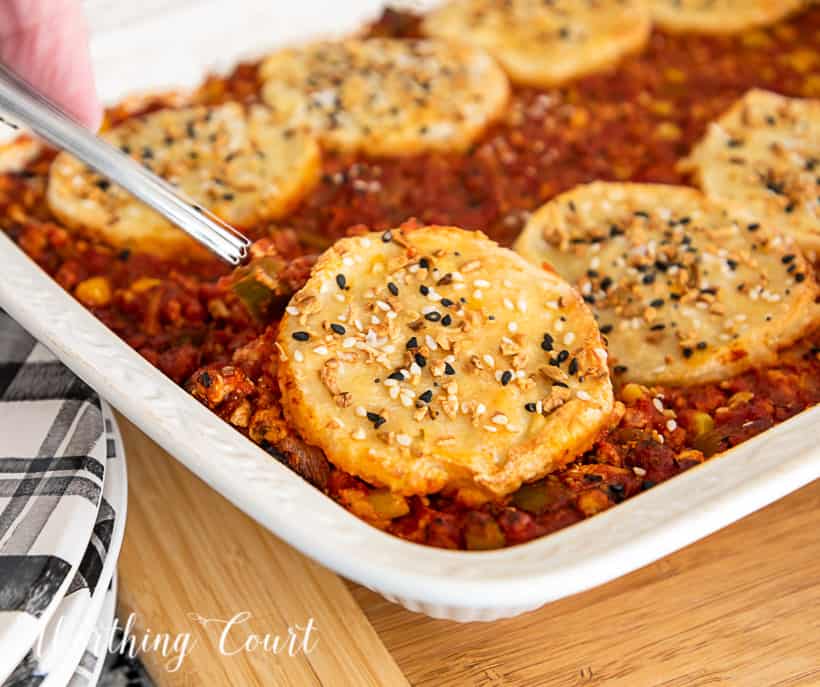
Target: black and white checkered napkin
x,y
52,464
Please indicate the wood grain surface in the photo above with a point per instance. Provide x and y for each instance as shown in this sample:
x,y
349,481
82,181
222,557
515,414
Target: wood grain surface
x,y
188,551
739,608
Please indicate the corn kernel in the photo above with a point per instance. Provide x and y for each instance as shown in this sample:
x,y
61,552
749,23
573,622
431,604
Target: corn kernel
x,y
94,292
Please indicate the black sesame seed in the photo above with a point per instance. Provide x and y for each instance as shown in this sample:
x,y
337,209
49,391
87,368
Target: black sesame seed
x,y
620,369
648,278
387,236
424,290
424,263
446,320
124,254
562,356
658,327
547,343
376,419
446,302
530,407
433,316
687,352
398,376
647,484
799,277
561,384
657,303
449,369
786,259
205,380
341,281
731,264
421,361
301,336
573,366
606,282
103,184
701,346
427,396
339,329
753,227
393,288
412,342
592,477
606,329
506,377
589,298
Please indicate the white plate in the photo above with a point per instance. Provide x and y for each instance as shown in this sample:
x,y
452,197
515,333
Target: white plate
x,y
52,466
175,45
87,673
68,654
74,615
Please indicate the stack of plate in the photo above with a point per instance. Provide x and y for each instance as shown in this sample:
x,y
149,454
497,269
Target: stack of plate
x,y
62,518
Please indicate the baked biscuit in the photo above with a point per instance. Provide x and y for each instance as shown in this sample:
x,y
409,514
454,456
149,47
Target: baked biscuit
x,y
545,43
433,359
719,16
765,153
386,96
233,162
685,290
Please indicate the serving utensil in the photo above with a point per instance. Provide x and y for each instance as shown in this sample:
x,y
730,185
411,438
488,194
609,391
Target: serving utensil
x,y
22,103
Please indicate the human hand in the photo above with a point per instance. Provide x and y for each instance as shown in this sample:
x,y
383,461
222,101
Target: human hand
x,y
46,42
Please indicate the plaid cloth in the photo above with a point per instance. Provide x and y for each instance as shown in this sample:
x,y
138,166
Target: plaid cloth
x,y
52,451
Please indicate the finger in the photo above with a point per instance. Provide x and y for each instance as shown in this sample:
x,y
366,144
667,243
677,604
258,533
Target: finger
x,y
47,44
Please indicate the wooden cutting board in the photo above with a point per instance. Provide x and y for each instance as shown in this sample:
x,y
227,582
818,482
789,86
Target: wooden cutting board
x,y
739,608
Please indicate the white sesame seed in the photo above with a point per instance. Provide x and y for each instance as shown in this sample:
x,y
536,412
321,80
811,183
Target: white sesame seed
x,y
481,284
415,370
569,337
513,428
640,472
403,440
658,404
383,306
477,294
359,434
480,409
583,395
558,326
671,425
292,310
431,343
348,261
490,428
374,319
349,342
361,411
539,406
392,315
512,327
406,400
394,392
508,304
500,419
489,360
358,324
390,382
298,356
339,297
522,304
320,350
427,309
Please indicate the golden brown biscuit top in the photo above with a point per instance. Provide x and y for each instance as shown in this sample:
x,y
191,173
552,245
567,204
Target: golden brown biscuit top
x,y
685,290
431,358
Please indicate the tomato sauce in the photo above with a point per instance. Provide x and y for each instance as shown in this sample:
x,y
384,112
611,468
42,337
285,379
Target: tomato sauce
x,y
631,123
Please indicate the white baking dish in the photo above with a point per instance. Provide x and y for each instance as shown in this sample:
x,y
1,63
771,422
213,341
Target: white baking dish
x,y
177,47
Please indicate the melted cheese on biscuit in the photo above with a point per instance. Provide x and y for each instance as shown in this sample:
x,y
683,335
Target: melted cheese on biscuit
x,y
720,16
545,43
685,290
237,164
386,96
433,359
765,153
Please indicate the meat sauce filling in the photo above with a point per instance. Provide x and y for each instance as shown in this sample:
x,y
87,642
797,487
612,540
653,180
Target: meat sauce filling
x,y
633,123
